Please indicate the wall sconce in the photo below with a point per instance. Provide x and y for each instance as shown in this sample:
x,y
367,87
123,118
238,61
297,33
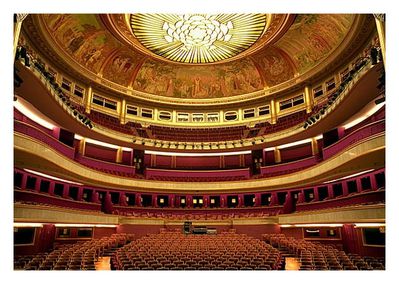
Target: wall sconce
x,y
233,200
200,201
161,200
194,201
212,201
182,201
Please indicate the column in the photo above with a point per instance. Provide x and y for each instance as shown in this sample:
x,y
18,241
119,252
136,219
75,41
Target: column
x,y
206,201
24,180
171,201
308,100
316,194
277,155
37,184
154,201
330,191
138,200
155,115
65,193
344,188
273,112
240,200
240,114
315,147
17,30
174,116
380,24
119,155
373,182
122,112
189,201
80,194
51,188
88,99
257,199
131,157
223,201
82,146
359,185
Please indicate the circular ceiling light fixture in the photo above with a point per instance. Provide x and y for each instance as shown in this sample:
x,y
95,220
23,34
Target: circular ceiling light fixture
x,y
198,38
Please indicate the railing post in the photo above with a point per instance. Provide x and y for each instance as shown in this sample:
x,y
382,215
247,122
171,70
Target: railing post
x,y
344,188
24,180
330,191
37,184
51,188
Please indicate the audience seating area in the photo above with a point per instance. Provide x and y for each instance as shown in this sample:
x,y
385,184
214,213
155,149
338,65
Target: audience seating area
x,y
171,250
109,122
77,256
283,123
191,216
197,179
197,135
316,256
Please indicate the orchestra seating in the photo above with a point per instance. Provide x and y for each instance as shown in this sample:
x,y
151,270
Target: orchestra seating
x,y
171,250
316,256
77,256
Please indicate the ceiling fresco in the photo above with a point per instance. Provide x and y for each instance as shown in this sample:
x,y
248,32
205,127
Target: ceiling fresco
x,y
289,51
198,82
312,37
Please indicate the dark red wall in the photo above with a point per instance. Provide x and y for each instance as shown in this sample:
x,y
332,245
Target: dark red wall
x,y
353,243
257,231
232,161
197,162
44,240
100,153
139,230
103,232
296,153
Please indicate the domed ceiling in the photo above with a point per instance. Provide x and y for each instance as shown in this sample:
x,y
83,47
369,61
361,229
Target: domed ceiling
x,y
196,56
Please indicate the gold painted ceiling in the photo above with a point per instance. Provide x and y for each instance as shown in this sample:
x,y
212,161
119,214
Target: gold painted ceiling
x,y
117,48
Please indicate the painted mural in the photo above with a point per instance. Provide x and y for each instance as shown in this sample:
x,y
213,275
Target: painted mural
x,y
198,82
121,67
275,66
83,38
312,37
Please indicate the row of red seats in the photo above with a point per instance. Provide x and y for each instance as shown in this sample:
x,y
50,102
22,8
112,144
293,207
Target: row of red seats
x,y
197,179
176,251
109,122
316,256
78,256
196,134
185,216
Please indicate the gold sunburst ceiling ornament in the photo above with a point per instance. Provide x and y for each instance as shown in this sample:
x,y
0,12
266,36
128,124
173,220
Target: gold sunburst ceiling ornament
x,y
198,38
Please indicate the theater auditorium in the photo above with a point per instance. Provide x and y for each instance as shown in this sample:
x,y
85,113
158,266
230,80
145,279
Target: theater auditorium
x,y
199,142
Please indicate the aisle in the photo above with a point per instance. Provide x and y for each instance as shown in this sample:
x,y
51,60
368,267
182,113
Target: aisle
x,y
103,263
292,263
